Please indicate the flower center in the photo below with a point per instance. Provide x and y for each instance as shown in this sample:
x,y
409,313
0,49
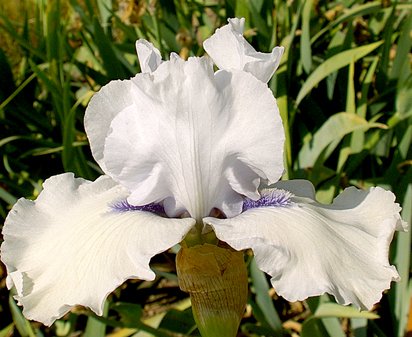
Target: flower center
x,y
269,198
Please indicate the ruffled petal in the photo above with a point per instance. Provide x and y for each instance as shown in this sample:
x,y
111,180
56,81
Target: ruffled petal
x,y
230,50
149,56
112,98
189,137
309,248
71,247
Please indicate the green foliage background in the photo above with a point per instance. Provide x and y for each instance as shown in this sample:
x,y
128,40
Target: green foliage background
x,y
344,89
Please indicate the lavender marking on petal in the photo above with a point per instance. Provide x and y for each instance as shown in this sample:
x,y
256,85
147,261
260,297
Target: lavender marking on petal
x,y
269,198
124,206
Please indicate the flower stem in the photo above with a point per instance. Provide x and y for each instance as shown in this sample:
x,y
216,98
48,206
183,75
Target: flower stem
x,y
195,237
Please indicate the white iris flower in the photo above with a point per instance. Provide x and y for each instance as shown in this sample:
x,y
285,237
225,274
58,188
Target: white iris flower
x,y
179,144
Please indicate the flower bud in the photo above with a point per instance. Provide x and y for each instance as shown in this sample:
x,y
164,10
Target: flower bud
x,y
216,279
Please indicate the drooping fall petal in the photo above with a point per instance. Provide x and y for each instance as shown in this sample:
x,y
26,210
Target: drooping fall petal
x,y
73,247
310,249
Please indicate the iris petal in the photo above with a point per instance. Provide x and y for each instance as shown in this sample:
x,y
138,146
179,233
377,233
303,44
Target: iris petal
x,y
110,100
230,50
309,248
190,137
70,247
149,56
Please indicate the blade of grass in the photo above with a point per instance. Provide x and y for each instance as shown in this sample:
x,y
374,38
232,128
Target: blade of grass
x,y
363,102
111,63
258,21
355,145
332,64
105,11
7,197
383,71
336,310
359,327
7,331
13,32
22,324
331,132
263,300
305,48
17,91
326,327
50,84
242,10
356,11
401,293
94,327
402,50
324,321
53,22
404,99
351,95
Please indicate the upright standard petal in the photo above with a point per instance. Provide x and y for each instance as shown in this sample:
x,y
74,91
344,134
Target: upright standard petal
x,y
113,98
230,50
191,138
149,56
71,247
310,249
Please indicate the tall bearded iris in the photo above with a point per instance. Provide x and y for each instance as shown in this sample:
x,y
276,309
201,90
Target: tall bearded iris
x,y
188,153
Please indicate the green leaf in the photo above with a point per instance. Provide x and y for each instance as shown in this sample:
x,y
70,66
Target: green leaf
x,y
250,329
351,93
111,63
7,331
332,64
53,26
401,293
324,327
359,327
94,327
22,324
7,197
337,310
355,11
68,130
242,10
363,102
333,327
130,313
17,91
324,322
257,19
313,328
332,132
383,72
263,300
105,9
404,98
179,321
305,48
403,49
10,28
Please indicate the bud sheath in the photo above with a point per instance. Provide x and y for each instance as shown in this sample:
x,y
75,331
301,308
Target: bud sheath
x,y
216,279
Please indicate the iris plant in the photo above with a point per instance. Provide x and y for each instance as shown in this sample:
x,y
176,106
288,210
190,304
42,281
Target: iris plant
x,y
193,156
